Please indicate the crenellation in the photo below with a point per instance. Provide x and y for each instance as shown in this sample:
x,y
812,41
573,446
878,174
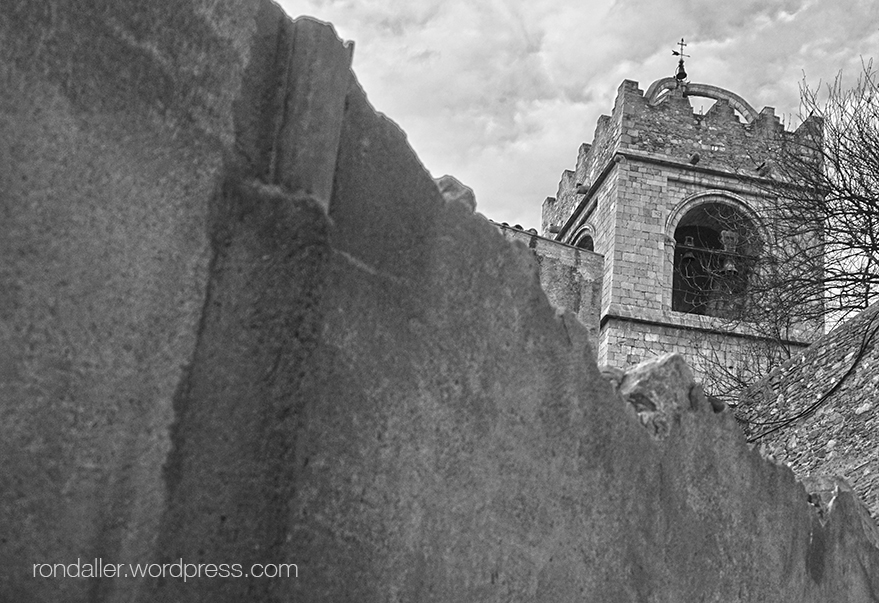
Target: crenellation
x,y
549,216
720,113
768,127
592,158
583,154
556,210
567,185
811,127
651,160
337,363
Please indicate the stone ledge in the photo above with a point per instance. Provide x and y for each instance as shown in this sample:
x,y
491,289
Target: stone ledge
x,y
694,322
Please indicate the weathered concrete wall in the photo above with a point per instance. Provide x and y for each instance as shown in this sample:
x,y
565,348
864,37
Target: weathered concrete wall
x,y
139,263
240,324
113,124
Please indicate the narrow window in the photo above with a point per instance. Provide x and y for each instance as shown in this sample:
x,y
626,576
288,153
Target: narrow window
x,y
586,242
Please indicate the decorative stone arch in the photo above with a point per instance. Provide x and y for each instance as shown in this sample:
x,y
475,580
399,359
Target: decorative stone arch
x,y
584,238
709,197
654,95
702,216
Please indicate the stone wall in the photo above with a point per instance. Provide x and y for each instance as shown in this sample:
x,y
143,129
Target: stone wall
x,y
241,325
649,164
724,360
724,140
570,277
819,413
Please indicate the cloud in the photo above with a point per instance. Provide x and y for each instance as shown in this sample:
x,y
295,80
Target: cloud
x,y
500,93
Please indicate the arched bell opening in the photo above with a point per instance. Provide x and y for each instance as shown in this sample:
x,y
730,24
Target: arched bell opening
x,y
716,247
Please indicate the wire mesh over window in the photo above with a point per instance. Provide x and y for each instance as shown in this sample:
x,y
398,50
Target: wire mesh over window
x,y
716,246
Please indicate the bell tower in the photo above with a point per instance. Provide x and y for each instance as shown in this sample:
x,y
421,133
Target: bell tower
x,y
675,202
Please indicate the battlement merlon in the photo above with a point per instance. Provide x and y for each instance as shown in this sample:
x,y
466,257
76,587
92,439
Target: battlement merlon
x,y
731,135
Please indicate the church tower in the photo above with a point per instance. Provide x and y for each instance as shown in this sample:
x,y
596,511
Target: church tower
x,y
675,202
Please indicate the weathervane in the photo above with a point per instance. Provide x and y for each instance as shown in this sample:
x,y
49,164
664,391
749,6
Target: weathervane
x,y
680,74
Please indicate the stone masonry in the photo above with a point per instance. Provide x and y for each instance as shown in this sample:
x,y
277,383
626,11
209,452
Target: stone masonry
x,y
651,162
570,277
241,325
819,412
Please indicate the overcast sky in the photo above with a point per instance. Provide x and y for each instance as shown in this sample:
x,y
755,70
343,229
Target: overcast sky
x,y
501,93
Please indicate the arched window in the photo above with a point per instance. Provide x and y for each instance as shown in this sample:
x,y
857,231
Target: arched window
x,y
586,242
716,246
584,238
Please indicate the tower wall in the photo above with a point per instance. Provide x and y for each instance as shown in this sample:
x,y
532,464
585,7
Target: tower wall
x,y
651,161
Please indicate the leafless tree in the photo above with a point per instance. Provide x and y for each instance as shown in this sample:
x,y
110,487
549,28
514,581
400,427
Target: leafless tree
x,y
818,261
831,178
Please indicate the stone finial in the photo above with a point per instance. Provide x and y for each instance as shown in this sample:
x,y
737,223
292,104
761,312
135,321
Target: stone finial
x,y
453,190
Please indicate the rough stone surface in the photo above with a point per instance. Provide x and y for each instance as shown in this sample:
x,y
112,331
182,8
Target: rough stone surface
x,y
453,190
201,362
660,390
630,188
570,277
818,411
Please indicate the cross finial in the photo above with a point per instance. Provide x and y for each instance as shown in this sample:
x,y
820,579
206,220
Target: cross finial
x,y
680,74
681,53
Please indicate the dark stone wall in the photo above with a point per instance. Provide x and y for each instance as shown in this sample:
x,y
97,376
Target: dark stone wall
x,y
819,412
240,324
